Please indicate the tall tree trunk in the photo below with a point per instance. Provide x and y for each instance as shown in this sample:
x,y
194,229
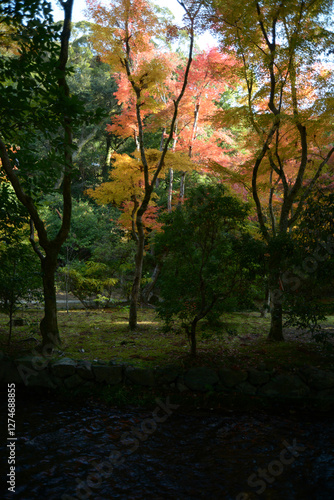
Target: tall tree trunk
x,y
193,349
138,273
276,324
266,304
276,298
182,188
10,323
49,323
106,164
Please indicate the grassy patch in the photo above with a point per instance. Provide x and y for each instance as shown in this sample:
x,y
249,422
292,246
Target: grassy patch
x,y
239,340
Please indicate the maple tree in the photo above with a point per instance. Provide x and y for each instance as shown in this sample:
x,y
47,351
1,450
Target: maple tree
x,y
123,36
211,74
286,106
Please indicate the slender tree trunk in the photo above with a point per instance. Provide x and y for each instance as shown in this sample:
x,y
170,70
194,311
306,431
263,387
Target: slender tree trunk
x,y
170,190
10,324
276,298
193,350
182,187
106,164
138,273
266,303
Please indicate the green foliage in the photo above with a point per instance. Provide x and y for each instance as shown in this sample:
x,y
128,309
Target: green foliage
x,y
12,214
209,259
91,226
31,101
90,282
20,277
312,271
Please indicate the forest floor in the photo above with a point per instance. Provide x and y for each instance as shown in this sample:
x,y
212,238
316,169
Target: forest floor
x,y
239,340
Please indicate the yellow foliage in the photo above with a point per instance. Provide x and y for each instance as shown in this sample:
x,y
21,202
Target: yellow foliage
x,y
127,175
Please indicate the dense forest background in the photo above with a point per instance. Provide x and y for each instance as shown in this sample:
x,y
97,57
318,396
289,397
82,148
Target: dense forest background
x,y
136,166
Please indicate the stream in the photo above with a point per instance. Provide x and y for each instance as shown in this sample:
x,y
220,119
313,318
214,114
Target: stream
x,y
69,451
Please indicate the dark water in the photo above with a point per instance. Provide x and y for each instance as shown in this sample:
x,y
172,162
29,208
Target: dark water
x,y
198,455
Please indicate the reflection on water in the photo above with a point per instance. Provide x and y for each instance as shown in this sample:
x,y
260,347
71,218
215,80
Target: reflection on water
x,y
94,451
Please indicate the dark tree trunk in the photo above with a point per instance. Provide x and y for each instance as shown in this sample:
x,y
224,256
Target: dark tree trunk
x,y
266,304
138,273
49,324
193,349
276,326
10,324
276,298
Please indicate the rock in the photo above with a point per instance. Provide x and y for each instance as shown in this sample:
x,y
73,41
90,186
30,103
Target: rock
x,y
285,386
326,394
231,378
246,388
63,367
111,375
10,373
141,376
84,369
256,377
59,382
41,379
179,384
200,378
318,379
167,374
324,400
73,381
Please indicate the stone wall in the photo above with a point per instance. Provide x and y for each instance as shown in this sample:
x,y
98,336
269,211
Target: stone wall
x,y
37,371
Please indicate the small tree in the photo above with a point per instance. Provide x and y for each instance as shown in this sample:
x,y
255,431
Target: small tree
x,y
206,246
20,278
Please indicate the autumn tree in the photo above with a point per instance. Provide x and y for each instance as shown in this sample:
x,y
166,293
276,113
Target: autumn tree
x,y
36,129
123,35
210,75
286,106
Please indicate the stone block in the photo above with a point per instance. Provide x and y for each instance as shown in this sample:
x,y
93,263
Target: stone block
x,y
141,376
285,386
110,375
231,378
200,378
63,367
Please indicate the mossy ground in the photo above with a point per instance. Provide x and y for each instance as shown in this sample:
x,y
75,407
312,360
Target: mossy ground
x,y
239,340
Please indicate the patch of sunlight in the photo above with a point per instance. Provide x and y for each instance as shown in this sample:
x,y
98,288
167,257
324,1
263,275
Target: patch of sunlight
x,y
138,323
